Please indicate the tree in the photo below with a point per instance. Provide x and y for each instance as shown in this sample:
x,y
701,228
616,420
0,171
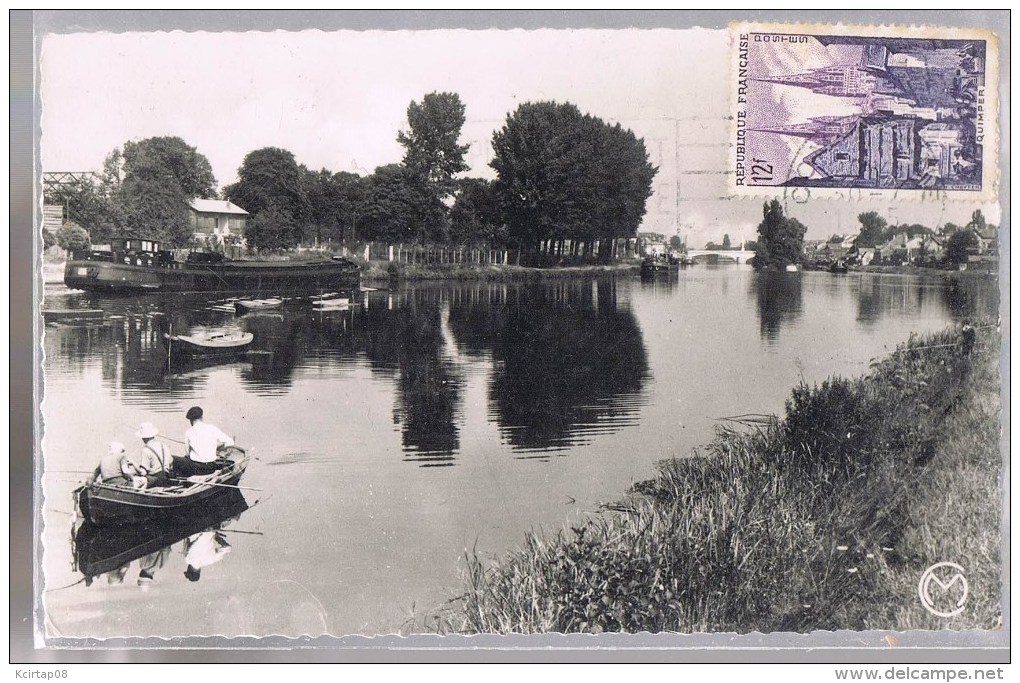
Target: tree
x,y
430,143
873,230
145,189
334,201
475,214
564,174
977,221
275,227
726,242
170,159
72,237
676,243
270,177
49,239
392,207
432,157
780,239
958,245
155,209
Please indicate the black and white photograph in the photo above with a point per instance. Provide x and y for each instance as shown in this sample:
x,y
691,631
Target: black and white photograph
x,y
521,331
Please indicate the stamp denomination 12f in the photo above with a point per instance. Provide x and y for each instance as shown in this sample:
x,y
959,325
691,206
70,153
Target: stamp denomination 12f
x,y
832,109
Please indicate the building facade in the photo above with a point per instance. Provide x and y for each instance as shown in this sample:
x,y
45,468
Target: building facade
x,y
216,222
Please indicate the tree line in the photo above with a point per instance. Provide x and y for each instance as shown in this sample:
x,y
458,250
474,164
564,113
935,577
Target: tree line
x,y
781,238
560,174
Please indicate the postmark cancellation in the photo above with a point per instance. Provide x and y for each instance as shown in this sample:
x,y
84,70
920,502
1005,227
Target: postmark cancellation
x,y
852,111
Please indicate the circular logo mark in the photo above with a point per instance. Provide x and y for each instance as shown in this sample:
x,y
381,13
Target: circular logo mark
x,y
949,594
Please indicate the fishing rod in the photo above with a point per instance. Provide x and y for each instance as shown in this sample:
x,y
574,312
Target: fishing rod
x,y
229,486
161,436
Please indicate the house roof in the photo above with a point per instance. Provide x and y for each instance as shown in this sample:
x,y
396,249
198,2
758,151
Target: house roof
x,y
216,206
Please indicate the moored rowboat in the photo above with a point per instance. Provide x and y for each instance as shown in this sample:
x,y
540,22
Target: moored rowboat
x,y
248,305
104,504
225,342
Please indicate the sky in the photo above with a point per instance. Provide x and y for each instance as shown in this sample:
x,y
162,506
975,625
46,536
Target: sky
x,y
338,99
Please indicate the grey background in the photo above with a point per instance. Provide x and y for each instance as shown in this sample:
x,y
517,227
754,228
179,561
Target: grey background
x,y
852,647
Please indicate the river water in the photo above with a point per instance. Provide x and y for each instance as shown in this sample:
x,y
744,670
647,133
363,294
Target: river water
x,y
424,422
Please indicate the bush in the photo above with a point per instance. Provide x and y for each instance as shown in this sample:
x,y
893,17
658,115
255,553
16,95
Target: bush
x,y
72,237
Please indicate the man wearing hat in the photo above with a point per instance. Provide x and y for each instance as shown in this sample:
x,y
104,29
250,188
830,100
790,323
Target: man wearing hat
x,y
202,441
149,467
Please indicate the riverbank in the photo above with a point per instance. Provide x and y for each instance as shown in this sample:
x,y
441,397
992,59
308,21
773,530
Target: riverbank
x,y
914,270
377,272
825,519
381,271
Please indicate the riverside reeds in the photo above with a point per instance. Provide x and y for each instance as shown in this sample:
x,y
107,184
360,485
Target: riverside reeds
x,y
824,519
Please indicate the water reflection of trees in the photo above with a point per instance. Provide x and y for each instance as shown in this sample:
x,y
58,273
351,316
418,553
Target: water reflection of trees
x,y
404,334
961,297
778,296
568,359
970,297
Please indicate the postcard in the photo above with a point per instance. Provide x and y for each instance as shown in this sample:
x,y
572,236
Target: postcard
x,y
635,337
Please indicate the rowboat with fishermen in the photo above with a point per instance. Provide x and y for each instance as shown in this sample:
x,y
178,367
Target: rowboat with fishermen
x,y
110,504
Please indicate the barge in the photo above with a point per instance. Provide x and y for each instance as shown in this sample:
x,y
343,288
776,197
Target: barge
x,y
139,265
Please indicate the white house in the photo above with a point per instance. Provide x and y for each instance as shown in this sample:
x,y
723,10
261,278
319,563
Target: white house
x,y
213,220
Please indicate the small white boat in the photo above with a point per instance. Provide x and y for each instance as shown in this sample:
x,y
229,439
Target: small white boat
x,y
247,305
225,342
791,268
331,304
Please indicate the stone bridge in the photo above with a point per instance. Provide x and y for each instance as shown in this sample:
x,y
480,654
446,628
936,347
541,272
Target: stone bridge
x,y
707,255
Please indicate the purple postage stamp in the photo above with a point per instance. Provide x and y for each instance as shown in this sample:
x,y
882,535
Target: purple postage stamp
x,y
852,111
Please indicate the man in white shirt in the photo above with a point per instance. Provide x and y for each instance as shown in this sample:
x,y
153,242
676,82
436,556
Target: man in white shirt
x,y
201,441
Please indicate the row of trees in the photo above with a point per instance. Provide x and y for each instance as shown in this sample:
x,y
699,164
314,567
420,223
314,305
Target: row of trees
x,y
561,174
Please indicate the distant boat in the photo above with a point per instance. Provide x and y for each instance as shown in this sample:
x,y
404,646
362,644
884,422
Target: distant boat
x,y
653,266
838,267
248,305
202,344
331,304
792,268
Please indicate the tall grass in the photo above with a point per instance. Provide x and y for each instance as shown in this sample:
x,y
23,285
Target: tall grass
x,y
824,519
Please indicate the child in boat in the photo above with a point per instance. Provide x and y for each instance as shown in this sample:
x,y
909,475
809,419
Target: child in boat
x,y
149,467
110,469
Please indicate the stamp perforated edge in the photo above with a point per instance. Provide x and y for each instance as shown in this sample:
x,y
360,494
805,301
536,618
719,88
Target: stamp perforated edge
x,y
990,157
